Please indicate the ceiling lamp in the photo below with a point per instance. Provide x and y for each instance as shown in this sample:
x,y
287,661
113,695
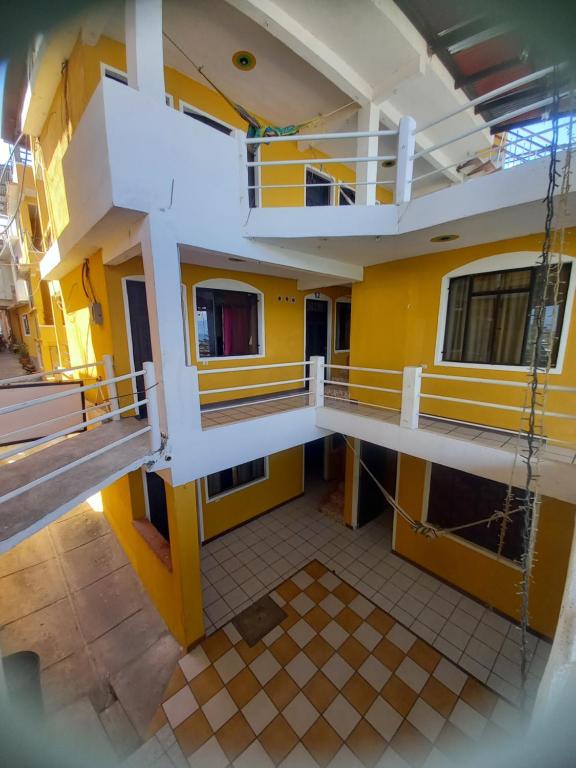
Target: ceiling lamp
x,y
244,60
443,238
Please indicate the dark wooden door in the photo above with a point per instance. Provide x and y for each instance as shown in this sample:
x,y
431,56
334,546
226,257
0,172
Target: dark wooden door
x,y
140,333
382,463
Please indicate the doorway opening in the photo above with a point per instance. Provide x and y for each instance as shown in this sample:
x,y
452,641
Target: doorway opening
x,y
383,464
139,340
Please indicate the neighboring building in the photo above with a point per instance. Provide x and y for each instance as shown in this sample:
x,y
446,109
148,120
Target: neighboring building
x,y
141,234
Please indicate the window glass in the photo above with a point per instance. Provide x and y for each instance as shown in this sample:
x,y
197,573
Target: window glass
x,y
226,323
492,317
235,477
316,194
157,505
343,313
120,77
457,498
346,196
218,126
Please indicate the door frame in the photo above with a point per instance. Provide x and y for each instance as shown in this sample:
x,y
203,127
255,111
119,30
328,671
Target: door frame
x,y
317,296
135,278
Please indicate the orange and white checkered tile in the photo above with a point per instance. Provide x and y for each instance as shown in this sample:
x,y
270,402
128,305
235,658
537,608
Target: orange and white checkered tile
x,y
338,683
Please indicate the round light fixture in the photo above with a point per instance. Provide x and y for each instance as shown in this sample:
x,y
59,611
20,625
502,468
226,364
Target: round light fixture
x,y
235,258
388,163
244,60
443,238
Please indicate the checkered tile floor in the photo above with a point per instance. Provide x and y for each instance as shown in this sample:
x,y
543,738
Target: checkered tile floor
x,y
246,563
338,683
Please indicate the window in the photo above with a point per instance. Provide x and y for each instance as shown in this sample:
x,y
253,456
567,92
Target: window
x,y
235,477
156,506
343,313
491,317
114,74
46,302
227,322
456,498
25,325
202,117
252,155
317,190
346,196
35,227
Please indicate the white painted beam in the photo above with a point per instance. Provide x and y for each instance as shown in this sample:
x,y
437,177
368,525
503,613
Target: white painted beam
x,y
144,51
367,146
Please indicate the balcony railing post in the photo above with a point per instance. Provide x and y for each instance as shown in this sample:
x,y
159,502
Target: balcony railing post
x,y
152,406
405,163
196,412
316,390
410,410
111,386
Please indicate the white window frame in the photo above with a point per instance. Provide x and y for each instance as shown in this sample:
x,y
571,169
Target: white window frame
x,y
321,297
343,187
340,300
104,68
26,324
453,536
498,263
185,107
326,176
209,499
222,284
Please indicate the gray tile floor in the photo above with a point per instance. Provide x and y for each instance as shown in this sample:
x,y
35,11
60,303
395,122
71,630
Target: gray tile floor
x,y
242,565
70,594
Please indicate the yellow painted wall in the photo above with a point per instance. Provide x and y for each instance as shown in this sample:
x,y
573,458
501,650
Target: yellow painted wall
x,y
394,323
479,573
285,481
176,593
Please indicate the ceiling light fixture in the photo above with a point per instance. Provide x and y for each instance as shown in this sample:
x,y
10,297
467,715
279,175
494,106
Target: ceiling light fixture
x,y
235,258
388,163
244,60
443,238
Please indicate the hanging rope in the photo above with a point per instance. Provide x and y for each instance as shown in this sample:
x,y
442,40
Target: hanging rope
x,y
255,127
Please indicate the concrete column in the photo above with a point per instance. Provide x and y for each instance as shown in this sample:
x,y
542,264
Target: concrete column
x,y
144,52
316,389
404,163
368,120
410,411
178,403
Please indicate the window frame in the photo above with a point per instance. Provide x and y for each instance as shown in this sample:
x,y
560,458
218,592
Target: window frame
x,y
502,262
185,107
343,188
25,318
341,300
516,566
222,284
266,476
327,177
105,68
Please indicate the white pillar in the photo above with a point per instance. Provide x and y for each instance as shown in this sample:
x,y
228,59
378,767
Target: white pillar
x,y
557,685
144,52
368,120
411,382
150,385
316,389
404,163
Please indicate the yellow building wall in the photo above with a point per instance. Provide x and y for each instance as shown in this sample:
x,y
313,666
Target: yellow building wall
x,y
480,573
284,482
394,324
176,591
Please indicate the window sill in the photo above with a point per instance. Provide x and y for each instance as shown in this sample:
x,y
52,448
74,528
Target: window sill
x,y
157,543
205,360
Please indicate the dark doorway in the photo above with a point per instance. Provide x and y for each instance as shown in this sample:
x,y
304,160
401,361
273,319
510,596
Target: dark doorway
x,y
140,334
383,463
314,460
157,507
316,328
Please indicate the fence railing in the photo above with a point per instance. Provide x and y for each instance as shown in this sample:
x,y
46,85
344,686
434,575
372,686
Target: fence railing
x,y
500,155
29,412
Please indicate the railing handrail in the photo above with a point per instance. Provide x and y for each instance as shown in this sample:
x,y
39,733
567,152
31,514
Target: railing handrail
x,y
251,367
361,386
499,406
55,372
48,398
319,136
254,386
319,161
359,368
499,382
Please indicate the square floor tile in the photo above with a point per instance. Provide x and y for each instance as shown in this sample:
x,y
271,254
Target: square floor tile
x,y
232,633
300,714
334,634
301,669
337,670
302,603
320,691
412,674
469,721
259,712
322,741
344,758
374,672
194,662
368,636
383,718
219,709
361,606
330,581
302,580
452,677
211,754
401,637
428,721
278,739
331,605
229,665
301,632
180,706
299,758
254,757
264,667
342,716
234,736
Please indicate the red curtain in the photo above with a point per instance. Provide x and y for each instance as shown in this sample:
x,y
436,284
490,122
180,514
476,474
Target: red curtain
x,y
236,330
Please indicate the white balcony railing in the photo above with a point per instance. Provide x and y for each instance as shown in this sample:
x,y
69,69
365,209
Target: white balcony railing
x,y
504,152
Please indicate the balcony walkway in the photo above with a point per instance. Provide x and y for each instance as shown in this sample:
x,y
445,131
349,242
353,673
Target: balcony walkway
x,y
33,509
9,365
